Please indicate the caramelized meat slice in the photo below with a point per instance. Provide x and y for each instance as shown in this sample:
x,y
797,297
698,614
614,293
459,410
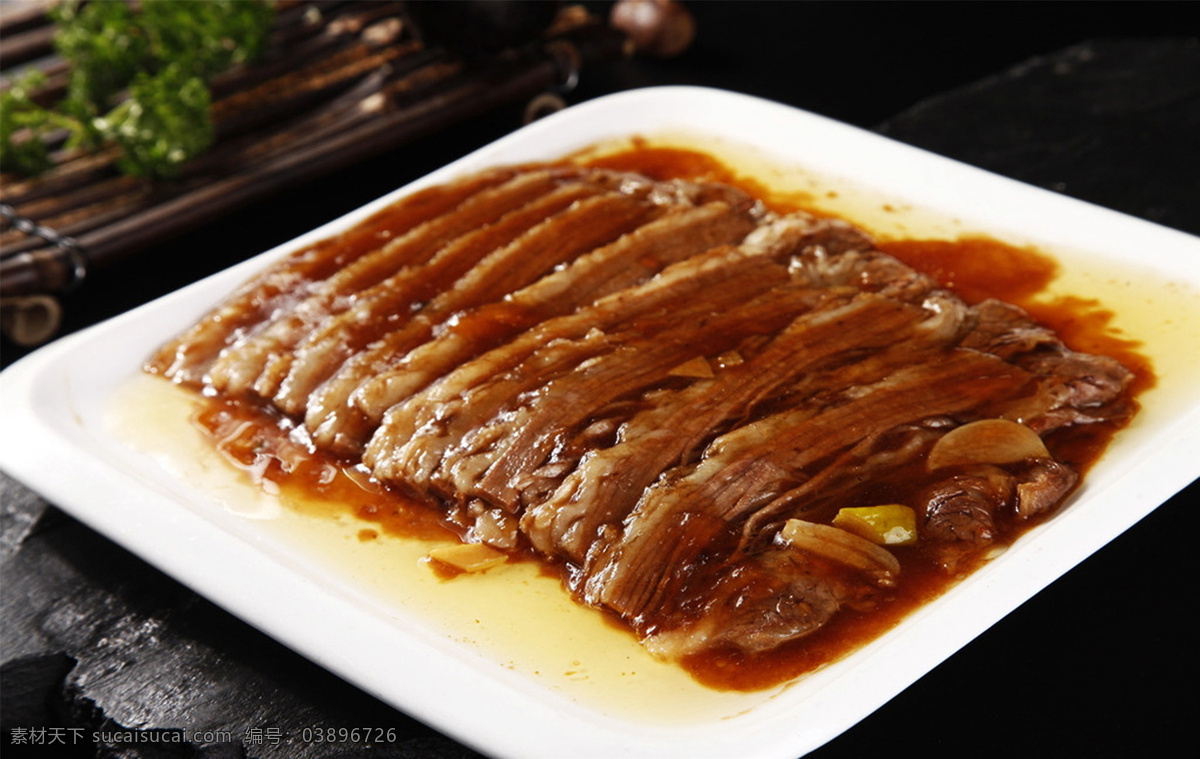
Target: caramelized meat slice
x,y
347,408
280,287
1046,483
755,606
676,426
628,261
372,313
416,434
744,470
652,385
960,511
1074,388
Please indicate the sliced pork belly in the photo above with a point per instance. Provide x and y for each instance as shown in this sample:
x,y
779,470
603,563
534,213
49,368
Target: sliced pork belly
x,y
626,262
677,425
258,364
534,272
373,313
659,387
698,511
188,357
415,434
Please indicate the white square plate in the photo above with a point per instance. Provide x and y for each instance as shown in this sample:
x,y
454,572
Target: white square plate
x,y
54,423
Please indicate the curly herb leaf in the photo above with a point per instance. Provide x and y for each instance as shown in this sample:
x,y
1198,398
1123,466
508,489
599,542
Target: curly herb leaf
x,y
162,124
28,130
22,123
138,78
105,47
207,38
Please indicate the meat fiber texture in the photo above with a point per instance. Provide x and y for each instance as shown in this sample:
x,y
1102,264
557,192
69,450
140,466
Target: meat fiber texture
x,y
642,382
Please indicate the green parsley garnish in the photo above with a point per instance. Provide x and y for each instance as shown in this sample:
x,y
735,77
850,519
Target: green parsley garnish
x,y
139,80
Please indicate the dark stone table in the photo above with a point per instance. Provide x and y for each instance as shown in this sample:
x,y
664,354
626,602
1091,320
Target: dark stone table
x,y
1100,102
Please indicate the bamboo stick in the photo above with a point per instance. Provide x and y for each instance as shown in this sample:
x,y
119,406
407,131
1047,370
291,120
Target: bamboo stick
x,y
371,89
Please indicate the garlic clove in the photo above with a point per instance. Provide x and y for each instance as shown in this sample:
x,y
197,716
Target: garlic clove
x,y
987,441
842,546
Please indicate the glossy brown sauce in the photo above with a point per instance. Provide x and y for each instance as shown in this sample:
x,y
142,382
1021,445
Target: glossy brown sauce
x,y
274,452
263,445
978,268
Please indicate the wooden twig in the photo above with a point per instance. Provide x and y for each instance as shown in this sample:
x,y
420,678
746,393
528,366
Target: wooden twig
x,y
369,89
20,17
27,46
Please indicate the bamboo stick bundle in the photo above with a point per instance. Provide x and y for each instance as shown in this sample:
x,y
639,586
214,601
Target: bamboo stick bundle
x,y
339,82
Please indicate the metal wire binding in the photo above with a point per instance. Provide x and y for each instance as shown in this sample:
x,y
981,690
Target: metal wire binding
x,y
75,253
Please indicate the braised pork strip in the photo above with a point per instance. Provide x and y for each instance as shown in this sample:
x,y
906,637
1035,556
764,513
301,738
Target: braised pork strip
x,y
663,389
